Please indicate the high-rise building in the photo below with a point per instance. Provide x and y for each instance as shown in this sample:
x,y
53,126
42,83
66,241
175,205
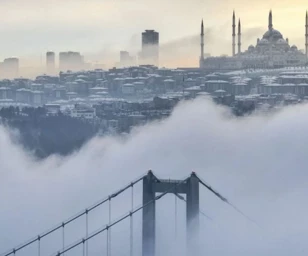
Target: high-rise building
x,y
126,60
70,61
10,68
150,48
50,63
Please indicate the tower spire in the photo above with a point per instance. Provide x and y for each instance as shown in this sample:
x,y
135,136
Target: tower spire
x,y
233,34
270,20
239,34
202,44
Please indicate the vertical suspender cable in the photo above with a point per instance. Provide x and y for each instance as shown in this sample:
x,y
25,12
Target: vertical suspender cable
x,y
107,241
83,247
131,234
109,229
131,224
63,236
132,196
175,216
87,232
39,246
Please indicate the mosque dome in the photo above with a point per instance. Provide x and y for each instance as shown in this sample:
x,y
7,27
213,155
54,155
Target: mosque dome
x,y
251,48
281,41
272,34
263,41
294,48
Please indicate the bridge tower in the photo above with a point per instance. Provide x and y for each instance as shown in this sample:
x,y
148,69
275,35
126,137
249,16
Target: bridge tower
x,y
153,185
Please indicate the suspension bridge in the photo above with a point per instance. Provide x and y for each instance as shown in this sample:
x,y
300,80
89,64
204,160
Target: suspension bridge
x,y
153,189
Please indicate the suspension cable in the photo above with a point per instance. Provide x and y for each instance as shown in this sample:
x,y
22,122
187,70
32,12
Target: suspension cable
x,y
200,211
119,220
71,219
227,201
213,191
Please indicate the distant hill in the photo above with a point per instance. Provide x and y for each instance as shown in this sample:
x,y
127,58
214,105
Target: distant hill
x,y
46,135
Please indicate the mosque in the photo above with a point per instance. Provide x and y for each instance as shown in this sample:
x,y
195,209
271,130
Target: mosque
x,y
272,51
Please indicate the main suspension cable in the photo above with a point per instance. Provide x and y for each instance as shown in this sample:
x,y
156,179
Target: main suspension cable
x,y
200,211
119,220
227,201
73,218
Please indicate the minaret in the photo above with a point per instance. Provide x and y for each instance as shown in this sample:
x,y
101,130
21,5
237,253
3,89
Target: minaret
x,y
306,36
233,34
239,34
270,20
202,40
202,44
270,28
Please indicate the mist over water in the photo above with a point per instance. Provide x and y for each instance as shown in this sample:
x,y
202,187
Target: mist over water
x,y
257,162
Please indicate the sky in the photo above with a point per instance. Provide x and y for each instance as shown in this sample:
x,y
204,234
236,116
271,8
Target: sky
x,y
258,163
101,28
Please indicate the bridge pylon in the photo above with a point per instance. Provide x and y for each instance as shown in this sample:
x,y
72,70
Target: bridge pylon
x,y
153,185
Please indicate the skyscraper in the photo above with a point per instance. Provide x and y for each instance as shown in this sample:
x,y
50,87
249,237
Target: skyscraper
x,y
70,61
50,63
150,48
10,68
126,60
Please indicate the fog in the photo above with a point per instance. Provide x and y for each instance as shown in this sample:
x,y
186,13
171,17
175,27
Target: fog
x,y
179,52
257,162
101,29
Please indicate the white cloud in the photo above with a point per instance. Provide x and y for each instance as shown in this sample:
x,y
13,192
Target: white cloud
x,y
257,162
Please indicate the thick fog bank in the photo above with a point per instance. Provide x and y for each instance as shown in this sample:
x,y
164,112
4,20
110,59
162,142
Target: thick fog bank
x,y
259,163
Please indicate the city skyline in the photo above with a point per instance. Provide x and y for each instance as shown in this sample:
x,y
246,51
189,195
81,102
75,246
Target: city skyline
x,y
153,127
96,32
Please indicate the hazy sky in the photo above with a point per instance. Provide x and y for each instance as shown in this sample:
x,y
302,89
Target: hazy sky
x,y
258,162
30,27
